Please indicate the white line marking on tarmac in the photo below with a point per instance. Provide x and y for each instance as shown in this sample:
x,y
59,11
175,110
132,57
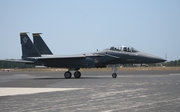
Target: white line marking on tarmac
x,y
175,74
21,75
24,91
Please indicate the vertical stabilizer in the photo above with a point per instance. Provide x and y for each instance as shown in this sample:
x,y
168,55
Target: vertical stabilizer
x,y
40,44
28,48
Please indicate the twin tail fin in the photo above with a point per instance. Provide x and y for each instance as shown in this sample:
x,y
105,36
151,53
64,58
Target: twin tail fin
x,y
40,44
28,48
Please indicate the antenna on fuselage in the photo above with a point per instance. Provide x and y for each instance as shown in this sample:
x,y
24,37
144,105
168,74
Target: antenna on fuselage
x,y
166,56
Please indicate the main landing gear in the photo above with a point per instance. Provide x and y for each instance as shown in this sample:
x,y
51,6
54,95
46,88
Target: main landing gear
x,y
68,74
77,74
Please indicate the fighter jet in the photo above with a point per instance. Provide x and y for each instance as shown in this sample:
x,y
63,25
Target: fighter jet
x,y
39,54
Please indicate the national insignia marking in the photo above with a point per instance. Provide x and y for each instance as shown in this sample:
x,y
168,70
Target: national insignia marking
x,y
25,39
95,61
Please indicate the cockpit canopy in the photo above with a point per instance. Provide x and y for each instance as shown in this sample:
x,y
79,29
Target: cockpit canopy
x,y
123,48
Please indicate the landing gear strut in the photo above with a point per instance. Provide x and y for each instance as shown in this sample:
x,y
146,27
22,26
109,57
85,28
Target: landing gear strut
x,y
114,69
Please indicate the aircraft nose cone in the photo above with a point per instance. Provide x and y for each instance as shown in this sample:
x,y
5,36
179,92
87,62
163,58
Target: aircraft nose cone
x,y
156,59
152,59
159,59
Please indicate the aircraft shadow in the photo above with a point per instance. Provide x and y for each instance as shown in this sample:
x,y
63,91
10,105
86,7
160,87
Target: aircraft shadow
x,y
49,78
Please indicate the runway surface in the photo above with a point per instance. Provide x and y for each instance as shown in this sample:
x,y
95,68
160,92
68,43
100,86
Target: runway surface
x,y
96,91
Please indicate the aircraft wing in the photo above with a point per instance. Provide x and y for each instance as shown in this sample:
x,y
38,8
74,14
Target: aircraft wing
x,y
47,57
57,57
44,57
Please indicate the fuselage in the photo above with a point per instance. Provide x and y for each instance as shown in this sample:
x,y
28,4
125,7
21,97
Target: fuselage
x,y
98,59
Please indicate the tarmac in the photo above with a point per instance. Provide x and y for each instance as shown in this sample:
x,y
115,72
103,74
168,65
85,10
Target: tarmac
x,y
95,91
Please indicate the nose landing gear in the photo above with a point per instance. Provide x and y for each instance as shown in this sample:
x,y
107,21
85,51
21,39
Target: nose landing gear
x,y
114,75
114,69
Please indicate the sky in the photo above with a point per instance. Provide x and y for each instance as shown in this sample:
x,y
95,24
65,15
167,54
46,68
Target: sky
x,y
82,26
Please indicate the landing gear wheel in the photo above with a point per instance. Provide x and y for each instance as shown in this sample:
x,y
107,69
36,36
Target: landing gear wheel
x,y
67,75
114,75
77,74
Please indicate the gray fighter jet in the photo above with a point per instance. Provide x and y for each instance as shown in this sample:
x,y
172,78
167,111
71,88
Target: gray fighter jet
x,y
39,54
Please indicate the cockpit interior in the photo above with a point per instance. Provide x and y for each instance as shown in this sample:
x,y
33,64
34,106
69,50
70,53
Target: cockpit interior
x,y
123,48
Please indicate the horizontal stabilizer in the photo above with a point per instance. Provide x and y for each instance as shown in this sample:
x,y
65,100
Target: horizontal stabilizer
x,y
19,61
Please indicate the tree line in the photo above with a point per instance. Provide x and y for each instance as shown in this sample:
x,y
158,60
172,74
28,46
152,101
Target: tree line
x,y
8,64
172,63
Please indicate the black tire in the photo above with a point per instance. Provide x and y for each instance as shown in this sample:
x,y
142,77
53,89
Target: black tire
x,y
77,74
67,75
114,75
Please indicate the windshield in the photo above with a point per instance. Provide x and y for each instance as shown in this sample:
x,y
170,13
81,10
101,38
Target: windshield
x,y
123,48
